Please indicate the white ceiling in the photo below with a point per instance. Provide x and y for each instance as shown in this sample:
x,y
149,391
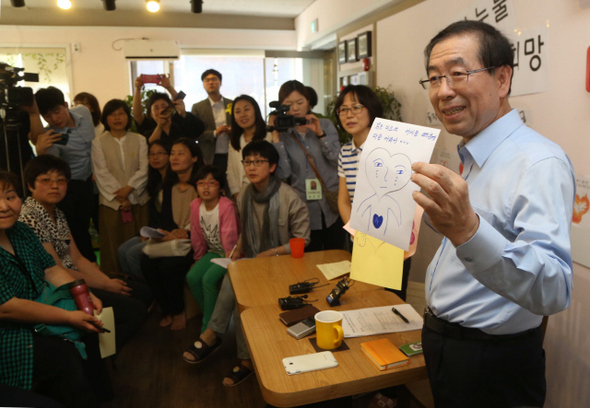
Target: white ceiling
x,y
264,8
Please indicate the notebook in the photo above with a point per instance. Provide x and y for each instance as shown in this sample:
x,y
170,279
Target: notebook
x,y
384,354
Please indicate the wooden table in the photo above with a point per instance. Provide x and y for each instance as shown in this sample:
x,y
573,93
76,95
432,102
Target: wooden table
x,y
258,283
269,343
262,281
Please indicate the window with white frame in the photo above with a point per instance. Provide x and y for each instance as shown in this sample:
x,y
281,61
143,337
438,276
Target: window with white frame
x,y
243,72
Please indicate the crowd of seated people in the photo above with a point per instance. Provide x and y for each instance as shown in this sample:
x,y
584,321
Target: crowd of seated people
x,y
218,182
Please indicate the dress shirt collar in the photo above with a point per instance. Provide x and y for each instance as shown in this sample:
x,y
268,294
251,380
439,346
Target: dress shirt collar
x,y
77,120
483,145
213,103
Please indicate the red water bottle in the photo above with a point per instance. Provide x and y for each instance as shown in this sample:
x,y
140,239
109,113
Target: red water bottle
x,y
79,291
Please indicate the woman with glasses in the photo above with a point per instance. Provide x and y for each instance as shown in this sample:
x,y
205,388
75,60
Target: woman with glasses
x,y
166,275
301,148
247,125
119,166
28,360
356,108
130,251
47,177
165,119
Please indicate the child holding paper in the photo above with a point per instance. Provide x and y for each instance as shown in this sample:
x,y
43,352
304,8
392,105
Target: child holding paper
x,y
214,234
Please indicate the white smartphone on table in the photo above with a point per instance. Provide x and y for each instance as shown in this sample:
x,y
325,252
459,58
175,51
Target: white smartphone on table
x,y
309,362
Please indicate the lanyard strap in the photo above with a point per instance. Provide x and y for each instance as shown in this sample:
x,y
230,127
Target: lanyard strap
x,y
315,170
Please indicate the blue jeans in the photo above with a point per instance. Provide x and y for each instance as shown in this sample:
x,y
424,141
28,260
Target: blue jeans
x,y
129,256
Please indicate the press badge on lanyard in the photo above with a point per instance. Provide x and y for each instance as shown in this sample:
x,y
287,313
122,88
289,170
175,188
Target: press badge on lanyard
x,y
313,189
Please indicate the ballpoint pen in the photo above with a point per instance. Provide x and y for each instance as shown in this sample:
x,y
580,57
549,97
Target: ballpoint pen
x,y
232,251
394,310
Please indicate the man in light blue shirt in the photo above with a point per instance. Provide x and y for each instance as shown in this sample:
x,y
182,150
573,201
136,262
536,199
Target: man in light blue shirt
x,y
69,136
505,259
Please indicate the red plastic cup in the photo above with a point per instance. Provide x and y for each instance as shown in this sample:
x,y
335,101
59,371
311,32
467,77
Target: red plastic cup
x,y
297,246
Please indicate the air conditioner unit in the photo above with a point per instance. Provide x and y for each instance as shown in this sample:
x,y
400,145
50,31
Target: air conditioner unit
x,y
150,50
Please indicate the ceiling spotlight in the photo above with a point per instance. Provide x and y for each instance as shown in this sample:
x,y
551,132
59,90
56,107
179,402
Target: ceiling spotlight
x,y
64,4
197,6
153,5
109,5
17,3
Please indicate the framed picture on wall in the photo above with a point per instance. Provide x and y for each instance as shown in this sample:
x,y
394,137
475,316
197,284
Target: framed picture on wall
x,y
351,52
364,45
342,52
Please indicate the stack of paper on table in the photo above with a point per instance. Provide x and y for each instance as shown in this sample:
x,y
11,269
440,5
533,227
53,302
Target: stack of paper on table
x,y
334,269
379,320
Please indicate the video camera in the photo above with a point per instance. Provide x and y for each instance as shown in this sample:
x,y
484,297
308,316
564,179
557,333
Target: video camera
x,y
13,96
282,120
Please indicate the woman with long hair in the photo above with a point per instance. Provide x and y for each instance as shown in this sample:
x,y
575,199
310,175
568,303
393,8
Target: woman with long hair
x,y
130,250
166,275
301,148
247,125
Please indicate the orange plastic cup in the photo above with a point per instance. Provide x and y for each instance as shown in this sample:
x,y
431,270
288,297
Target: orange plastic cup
x,y
297,246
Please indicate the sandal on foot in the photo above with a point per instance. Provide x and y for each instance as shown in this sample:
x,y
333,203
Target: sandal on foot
x,y
201,351
239,374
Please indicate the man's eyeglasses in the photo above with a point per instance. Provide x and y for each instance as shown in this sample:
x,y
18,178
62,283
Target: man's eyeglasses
x,y
356,109
211,183
46,181
256,163
454,79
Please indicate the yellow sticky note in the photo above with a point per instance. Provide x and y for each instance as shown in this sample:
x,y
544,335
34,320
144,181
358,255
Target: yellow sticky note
x,y
376,262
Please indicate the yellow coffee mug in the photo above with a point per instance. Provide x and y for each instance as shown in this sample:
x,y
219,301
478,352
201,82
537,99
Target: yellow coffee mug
x,y
328,327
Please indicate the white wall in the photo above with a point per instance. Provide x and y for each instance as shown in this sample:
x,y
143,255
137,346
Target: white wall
x,y
103,71
333,15
562,114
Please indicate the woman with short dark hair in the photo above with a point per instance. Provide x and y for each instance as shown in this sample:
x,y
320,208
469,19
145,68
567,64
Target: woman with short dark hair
x,y
356,108
119,165
90,101
28,360
316,139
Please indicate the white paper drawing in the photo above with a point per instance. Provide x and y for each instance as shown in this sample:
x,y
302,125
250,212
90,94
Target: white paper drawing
x,y
386,174
383,206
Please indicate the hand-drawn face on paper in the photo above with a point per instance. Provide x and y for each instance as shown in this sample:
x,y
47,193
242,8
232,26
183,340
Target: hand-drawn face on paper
x,y
387,173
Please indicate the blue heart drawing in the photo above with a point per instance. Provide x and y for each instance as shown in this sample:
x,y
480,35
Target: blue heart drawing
x,y
377,220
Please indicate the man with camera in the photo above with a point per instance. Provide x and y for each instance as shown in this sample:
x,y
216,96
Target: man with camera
x,y
215,111
69,136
